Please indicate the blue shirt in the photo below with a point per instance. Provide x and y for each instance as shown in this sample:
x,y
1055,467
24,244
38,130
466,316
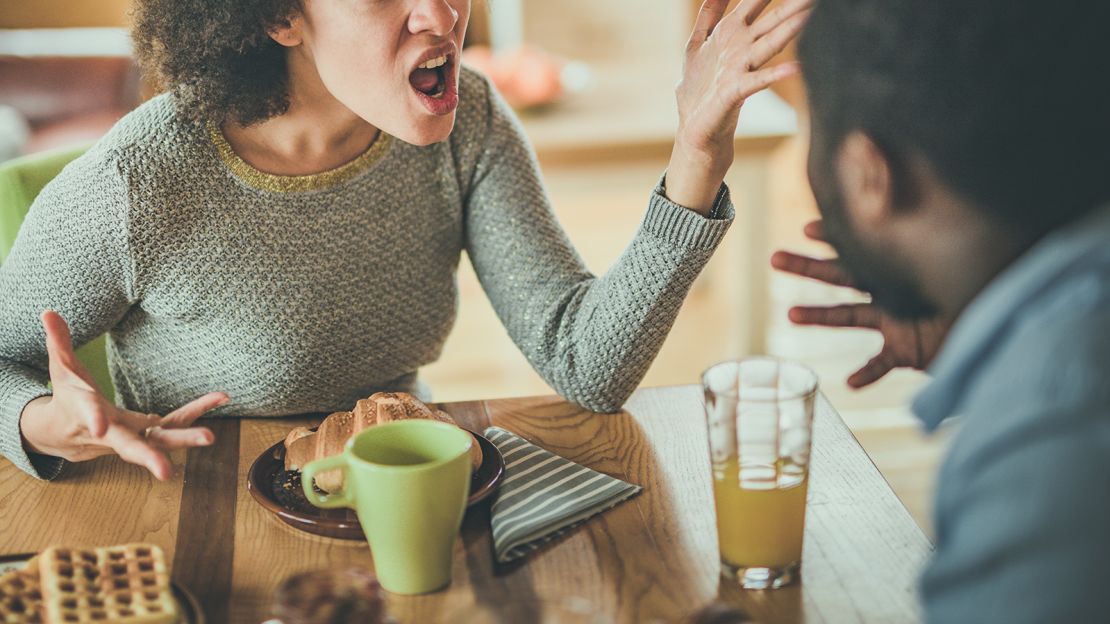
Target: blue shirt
x,y
1023,498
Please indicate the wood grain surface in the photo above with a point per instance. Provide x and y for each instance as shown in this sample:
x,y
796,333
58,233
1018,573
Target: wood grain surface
x,y
206,525
651,559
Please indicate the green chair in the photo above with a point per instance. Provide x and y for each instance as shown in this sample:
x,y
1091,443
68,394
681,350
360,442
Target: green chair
x,y
20,182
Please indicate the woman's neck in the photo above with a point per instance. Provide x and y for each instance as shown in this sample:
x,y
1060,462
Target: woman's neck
x,y
316,134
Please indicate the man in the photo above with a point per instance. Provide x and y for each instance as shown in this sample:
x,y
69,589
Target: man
x,y
960,158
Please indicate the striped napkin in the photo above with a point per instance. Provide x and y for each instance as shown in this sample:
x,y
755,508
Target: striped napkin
x,y
544,496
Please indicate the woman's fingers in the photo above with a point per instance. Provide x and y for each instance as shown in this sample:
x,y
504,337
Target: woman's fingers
x,y
186,414
862,315
67,372
751,9
778,16
59,349
708,17
754,82
121,431
135,421
775,41
873,371
59,343
130,446
827,271
169,439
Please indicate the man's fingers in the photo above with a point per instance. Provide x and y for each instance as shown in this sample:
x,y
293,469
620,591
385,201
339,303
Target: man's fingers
x,y
186,414
815,230
827,271
708,17
132,448
871,372
169,439
861,315
767,46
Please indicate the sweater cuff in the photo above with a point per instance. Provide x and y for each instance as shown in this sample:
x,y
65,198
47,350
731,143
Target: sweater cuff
x,y
12,402
685,228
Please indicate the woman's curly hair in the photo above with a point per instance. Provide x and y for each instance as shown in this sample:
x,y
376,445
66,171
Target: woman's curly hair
x,y
216,56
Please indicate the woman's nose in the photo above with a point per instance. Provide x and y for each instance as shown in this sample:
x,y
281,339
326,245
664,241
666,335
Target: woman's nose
x,y
436,17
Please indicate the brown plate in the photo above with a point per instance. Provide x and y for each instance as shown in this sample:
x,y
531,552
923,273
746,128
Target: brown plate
x,y
279,491
189,611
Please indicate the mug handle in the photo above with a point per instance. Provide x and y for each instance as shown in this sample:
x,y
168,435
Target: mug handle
x,y
329,501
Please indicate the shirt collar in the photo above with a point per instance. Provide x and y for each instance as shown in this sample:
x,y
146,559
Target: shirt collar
x,y
992,313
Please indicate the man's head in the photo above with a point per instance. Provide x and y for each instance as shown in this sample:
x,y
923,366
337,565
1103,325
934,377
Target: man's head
x,y
936,122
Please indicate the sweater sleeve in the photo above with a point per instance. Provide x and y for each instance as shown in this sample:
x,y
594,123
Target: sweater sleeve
x,y
71,256
591,338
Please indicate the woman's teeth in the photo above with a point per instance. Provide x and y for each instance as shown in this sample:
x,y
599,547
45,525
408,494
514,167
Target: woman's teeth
x,y
431,78
438,61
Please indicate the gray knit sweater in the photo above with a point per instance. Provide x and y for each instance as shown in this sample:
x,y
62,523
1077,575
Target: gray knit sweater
x,y
304,294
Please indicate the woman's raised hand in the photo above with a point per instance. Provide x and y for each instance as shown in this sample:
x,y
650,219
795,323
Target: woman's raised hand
x,y
79,423
725,64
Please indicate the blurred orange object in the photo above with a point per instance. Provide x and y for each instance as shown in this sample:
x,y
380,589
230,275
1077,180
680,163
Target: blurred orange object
x,y
527,77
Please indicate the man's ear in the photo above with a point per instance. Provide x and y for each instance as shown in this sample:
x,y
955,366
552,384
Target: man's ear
x,y
288,32
866,180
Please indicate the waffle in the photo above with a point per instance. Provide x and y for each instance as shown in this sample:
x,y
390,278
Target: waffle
x,y
126,584
20,599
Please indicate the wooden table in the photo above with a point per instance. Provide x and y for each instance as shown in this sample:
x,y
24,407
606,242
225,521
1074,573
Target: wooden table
x,y
651,559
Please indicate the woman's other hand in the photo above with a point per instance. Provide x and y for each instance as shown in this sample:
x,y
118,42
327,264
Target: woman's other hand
x,y
910,344
78,423
725,64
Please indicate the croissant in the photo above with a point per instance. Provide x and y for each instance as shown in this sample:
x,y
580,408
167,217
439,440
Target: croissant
x,y
303,445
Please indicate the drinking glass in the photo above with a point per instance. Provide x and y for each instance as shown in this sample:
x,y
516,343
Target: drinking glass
x,y
759,413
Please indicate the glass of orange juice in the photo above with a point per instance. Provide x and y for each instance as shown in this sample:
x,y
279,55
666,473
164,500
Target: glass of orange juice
x,y
760,417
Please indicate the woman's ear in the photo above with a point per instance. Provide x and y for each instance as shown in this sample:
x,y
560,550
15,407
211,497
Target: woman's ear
x,y
866,180
289,31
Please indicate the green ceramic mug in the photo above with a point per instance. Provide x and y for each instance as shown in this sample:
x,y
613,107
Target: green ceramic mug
x,y
408,481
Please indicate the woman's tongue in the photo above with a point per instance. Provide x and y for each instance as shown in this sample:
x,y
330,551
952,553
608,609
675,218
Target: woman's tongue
x,y
425,81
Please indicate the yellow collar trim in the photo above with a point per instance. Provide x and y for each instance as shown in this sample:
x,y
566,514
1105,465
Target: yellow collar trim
x,y
293,184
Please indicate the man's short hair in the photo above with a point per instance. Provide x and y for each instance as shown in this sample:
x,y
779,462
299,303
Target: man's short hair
x,y
1007,100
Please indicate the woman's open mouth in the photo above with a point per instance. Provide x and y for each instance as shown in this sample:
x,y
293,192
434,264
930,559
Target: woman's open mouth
x,y
434,82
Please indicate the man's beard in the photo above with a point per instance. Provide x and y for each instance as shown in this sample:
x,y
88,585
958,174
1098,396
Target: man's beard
x,y
882,274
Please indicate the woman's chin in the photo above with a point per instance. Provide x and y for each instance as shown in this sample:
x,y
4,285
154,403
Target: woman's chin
x,y
426,131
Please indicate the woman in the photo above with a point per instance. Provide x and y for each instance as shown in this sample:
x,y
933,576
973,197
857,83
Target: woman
x,y
279,233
